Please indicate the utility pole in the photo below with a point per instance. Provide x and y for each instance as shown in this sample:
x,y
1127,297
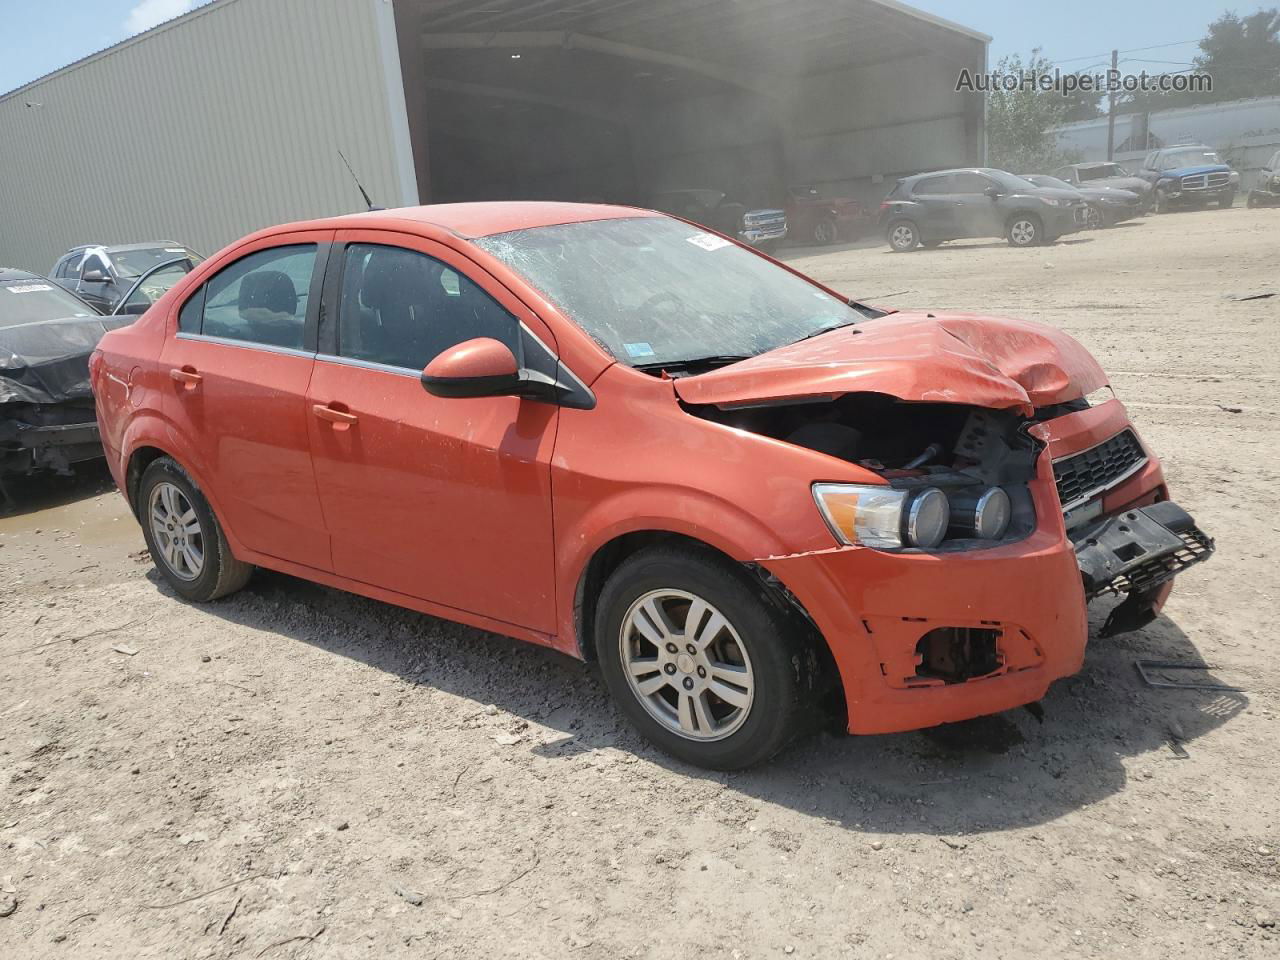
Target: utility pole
x,y
1112,79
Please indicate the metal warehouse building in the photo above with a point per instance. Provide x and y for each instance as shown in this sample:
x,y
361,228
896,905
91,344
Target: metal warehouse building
x,y
232,117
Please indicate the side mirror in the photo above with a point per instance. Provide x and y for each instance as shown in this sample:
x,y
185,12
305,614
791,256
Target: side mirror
x,y
482,367
993,193
136,308
94,276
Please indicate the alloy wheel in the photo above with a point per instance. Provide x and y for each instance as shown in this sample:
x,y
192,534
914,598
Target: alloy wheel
x,y
903,236
824,232
686,665
1093,217
1023,233
176,530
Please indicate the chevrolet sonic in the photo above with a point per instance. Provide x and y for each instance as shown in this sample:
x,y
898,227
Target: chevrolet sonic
x,y
620,435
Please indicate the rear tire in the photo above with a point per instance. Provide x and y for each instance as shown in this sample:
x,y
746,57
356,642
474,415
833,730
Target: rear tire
x,y
903,236
755,653
185,539
825,232
1025,230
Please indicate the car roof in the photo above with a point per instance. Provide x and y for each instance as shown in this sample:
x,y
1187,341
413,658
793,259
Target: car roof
x,y
122,247
477,219
13,273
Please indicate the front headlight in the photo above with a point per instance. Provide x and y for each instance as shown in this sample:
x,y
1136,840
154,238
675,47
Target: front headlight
x,y
874,516
1234,177
1053,201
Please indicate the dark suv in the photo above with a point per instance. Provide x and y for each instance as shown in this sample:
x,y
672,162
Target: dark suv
x,y
102,275
931,208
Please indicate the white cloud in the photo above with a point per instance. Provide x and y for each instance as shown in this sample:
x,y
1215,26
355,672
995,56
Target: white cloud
x,y
147,13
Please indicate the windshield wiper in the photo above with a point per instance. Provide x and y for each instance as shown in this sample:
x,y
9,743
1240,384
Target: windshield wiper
x,y
821,330
712,360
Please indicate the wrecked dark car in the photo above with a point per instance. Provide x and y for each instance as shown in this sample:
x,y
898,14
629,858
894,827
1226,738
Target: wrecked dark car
x,y
637,442
46,408
103,275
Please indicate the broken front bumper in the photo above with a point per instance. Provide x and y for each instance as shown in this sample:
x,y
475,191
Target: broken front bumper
x,y
1135,554
927,638
26,448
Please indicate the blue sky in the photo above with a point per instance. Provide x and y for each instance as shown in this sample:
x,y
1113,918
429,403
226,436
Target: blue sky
x,y
34,41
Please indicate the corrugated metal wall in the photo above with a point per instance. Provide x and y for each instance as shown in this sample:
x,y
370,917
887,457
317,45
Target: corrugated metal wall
x,y
209,127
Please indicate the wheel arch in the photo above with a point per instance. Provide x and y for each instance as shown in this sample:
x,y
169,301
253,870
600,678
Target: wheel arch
x,y
610,555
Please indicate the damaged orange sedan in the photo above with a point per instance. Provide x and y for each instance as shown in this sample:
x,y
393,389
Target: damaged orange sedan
x,y
617,434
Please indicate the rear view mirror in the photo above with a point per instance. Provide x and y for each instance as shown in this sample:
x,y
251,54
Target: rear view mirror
x,y
482,367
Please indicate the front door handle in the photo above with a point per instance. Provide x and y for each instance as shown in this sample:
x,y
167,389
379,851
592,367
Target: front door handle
x,y
186,376
340,419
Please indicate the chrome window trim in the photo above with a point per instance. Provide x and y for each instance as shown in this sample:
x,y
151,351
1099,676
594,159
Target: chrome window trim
x,y
370,365
247,344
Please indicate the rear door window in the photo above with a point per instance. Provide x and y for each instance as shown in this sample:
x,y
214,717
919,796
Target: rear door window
x,y
261,298
934,186
401,308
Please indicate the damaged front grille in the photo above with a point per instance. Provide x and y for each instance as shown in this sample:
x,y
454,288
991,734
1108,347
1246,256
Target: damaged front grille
x,y
1086,474
1196,546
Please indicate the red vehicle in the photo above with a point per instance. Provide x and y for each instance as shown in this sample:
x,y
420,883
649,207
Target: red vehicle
x,y
813,218
640,442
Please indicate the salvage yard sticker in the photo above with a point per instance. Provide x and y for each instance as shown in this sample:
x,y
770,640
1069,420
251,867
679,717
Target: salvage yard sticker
x,y
638,349
26,287
708,241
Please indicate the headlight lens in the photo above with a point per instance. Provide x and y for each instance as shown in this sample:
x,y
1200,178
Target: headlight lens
x,y
1053,201
882,517
927,518
984,515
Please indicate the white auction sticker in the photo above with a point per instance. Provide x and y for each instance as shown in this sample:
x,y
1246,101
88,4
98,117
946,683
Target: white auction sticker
x,y
708,241
26,287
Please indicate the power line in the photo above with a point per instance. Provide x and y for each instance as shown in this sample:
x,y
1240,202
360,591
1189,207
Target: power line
x,y
1158,46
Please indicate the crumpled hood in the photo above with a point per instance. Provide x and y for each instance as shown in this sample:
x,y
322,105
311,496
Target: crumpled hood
x,y
48,362
944,358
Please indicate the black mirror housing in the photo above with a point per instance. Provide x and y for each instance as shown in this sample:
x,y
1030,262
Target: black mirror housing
x,y
94,276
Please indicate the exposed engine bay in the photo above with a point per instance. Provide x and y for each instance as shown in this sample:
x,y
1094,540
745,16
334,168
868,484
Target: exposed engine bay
x,y
964,451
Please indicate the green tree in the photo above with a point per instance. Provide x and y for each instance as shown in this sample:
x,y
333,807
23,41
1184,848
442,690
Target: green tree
x,y
1241,54
1020,122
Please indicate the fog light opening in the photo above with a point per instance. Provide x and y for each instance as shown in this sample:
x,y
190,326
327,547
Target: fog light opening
x,y
958,654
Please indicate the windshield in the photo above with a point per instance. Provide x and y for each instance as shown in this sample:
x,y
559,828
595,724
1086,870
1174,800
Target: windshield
x,y
655,291
134,263
33,301
1104,170
1009,181
1190,158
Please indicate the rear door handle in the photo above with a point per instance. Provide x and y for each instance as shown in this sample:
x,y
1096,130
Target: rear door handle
x,y
186,376
340,419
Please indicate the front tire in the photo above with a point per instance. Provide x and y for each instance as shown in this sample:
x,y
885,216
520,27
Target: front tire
x,y
1228,201
1025,230
1096,218
903,236
825,232
186,541
699,658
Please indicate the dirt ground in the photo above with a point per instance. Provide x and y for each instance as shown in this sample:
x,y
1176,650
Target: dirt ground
x,y
298,772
